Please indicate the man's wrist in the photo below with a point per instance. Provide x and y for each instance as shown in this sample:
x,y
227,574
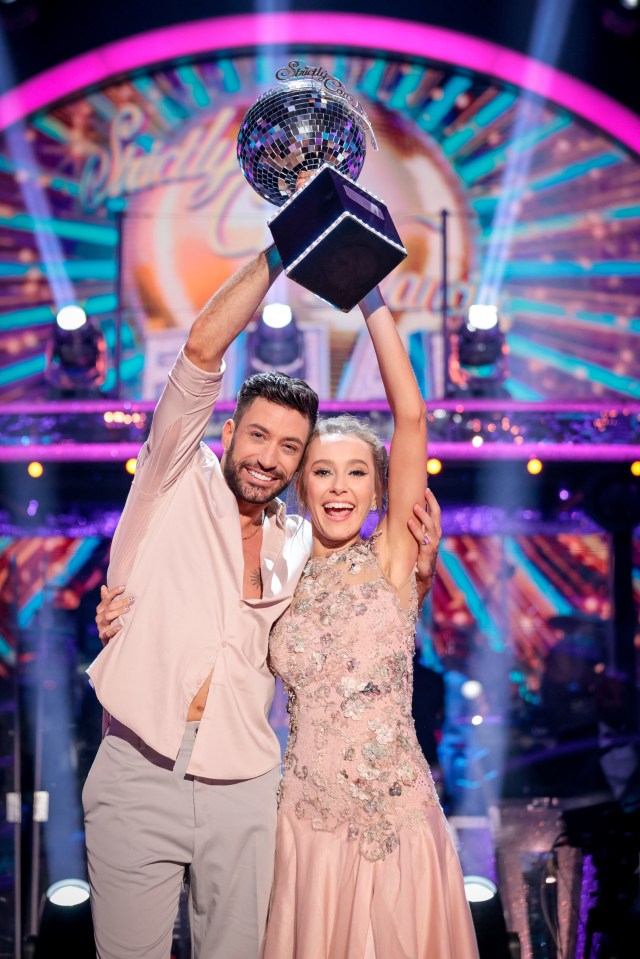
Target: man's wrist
x,y
274,262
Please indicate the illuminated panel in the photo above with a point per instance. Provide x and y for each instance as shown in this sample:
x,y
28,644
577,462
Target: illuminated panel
x,y
357,32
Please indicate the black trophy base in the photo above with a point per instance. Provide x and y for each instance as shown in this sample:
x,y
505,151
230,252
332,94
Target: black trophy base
x,y
335,239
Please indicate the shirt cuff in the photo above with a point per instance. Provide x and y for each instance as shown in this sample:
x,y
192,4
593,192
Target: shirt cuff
x,y
194,380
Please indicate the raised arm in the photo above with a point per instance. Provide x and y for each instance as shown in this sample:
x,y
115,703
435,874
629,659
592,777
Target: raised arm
x,y
186,404
229,310
408,454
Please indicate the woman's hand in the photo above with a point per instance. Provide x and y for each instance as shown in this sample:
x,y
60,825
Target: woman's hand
x,y
427,532
112,605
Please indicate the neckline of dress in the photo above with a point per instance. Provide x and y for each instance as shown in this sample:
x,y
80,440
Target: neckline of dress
x,y
341,551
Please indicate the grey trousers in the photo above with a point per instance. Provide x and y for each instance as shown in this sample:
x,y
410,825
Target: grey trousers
x,y
148,825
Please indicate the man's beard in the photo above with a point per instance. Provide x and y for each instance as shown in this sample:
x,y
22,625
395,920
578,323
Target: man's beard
x,y
246,491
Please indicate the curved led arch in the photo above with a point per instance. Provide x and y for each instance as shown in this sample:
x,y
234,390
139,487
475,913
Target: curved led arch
x,y
321,29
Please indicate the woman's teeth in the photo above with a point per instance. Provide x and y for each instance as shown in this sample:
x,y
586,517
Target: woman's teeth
x,y
338,509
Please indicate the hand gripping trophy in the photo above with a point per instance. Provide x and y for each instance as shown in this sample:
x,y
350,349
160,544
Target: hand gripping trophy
x,y
334,238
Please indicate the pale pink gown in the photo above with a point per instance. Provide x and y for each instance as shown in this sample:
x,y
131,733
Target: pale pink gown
x,y
365,865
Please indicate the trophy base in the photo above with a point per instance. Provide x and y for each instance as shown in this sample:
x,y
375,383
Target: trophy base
x,y
336,239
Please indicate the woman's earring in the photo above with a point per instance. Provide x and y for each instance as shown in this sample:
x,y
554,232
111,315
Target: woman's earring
x,y
374,508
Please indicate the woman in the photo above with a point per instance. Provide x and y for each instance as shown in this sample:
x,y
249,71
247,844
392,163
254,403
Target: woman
x,y
365,867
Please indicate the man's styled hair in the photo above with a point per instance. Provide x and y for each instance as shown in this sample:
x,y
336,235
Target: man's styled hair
x,y
281,389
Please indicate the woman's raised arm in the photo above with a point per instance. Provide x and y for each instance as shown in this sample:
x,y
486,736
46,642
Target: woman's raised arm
x,y
408,454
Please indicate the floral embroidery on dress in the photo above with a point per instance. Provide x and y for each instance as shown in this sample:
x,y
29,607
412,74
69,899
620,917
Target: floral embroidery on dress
x,y
344,650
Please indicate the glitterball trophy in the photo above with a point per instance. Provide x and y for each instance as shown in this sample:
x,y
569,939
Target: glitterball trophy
x,y
334,238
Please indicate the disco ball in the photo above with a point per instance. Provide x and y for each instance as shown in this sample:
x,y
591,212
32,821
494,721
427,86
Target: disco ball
x,y
294,127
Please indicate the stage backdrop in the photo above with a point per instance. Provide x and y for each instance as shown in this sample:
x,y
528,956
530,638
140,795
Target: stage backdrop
x,y
543,207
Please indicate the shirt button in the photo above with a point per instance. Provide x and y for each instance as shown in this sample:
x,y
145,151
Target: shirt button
x,y
224,644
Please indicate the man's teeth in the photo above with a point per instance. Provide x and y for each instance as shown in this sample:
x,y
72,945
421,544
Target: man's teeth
x,y
258,476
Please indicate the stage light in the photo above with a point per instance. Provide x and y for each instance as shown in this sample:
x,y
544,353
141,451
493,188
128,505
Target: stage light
x,y
71,317
276,343
564,495
481,317
476,720
130,465
434,466
75,354
480,350
35,469
478,355
68,892
635,468
494,942
534,466
477,442
65,926
277,315
479,888
471,689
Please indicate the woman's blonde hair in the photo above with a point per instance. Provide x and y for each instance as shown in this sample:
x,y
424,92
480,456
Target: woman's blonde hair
x,y
347,425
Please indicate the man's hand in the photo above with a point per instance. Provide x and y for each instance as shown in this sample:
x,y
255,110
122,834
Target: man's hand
x,y
111,606
427,532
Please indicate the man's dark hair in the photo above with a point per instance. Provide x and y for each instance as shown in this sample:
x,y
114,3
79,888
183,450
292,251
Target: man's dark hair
x,y
281,389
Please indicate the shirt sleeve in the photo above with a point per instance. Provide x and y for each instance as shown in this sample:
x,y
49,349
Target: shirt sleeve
x,y
178,425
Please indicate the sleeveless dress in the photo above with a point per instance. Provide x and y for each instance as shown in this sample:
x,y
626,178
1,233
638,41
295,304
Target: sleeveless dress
x,y
365,866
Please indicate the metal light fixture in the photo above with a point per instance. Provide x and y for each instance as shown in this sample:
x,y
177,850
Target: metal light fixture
x,y
75,355
478,364
66,927
276,343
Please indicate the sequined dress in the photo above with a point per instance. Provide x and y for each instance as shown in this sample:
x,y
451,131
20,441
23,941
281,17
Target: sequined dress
x,y
365,866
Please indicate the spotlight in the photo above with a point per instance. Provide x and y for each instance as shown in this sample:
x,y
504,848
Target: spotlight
x,y
76,354
477,365
481,317
277,315
471,689
276,343
35,469
68,892
479,888
434,466
534,466
65,926
71,317
494,942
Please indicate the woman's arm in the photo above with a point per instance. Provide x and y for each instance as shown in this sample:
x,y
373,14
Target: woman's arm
x,y
408,454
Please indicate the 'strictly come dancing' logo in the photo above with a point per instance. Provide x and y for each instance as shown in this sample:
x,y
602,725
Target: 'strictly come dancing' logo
x,y
126,168
295,70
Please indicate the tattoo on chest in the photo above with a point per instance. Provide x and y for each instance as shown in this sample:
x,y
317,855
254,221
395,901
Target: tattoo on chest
x,y
255,578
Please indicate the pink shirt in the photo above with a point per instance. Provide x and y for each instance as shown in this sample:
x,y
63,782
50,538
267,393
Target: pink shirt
x,y
178,550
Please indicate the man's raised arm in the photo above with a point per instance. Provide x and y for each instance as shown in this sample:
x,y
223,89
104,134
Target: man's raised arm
x,y
229,310
187,401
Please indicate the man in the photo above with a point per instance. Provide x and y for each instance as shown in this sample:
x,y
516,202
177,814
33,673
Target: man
x,y
213,558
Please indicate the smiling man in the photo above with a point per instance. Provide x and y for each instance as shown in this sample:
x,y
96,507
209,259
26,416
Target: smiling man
x,y
184,782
